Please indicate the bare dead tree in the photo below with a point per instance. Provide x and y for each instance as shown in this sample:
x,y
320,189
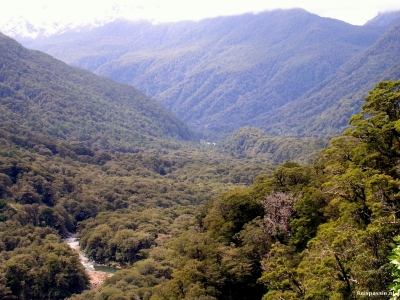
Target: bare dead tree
x,y
279,209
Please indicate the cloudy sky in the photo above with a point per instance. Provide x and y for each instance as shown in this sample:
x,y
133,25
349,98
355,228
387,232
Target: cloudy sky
x,y
80,11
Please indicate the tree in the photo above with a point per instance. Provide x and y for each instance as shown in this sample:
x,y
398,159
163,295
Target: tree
x,y
290,176
230,212
281,275
353,211
5,182
49,271
127,243
279,210
377,126
395,262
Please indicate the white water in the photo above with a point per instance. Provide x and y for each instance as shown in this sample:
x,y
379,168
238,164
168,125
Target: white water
x,y
73,242
89,265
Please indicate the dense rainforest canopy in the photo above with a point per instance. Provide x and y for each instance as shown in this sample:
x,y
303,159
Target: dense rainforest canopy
x,y
322,230
318,231
253,217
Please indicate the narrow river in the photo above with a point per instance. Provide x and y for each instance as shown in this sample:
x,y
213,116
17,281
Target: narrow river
x,y
89,265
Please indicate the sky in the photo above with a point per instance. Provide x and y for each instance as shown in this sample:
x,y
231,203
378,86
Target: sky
x,y
355,12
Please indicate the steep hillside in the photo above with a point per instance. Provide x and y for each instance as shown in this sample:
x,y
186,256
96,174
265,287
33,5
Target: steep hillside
x,y
326,108
218,74
46,96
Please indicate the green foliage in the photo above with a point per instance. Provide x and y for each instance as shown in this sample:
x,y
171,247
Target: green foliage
x,y
229,213
123,235
37,265
347,211
127,206
329,106
280,275
376,128
78,106
314,231
252,142
394,260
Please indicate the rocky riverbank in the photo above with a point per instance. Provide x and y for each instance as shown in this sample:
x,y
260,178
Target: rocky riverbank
x,y
96,277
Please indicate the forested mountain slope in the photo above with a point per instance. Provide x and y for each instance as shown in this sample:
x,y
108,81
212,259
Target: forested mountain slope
x,y
253,142
218,74
318,231
46,96
327,108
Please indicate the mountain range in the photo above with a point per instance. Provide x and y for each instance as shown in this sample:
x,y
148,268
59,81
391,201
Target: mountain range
x,y
289,72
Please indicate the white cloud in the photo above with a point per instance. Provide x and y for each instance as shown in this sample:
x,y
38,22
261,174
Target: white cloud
x,y
79,11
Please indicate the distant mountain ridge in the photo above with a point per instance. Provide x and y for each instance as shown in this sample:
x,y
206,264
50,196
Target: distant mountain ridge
x,y
224,73
45,96
328,107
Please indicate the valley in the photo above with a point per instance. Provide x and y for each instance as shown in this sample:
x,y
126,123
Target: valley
x,y
244,157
